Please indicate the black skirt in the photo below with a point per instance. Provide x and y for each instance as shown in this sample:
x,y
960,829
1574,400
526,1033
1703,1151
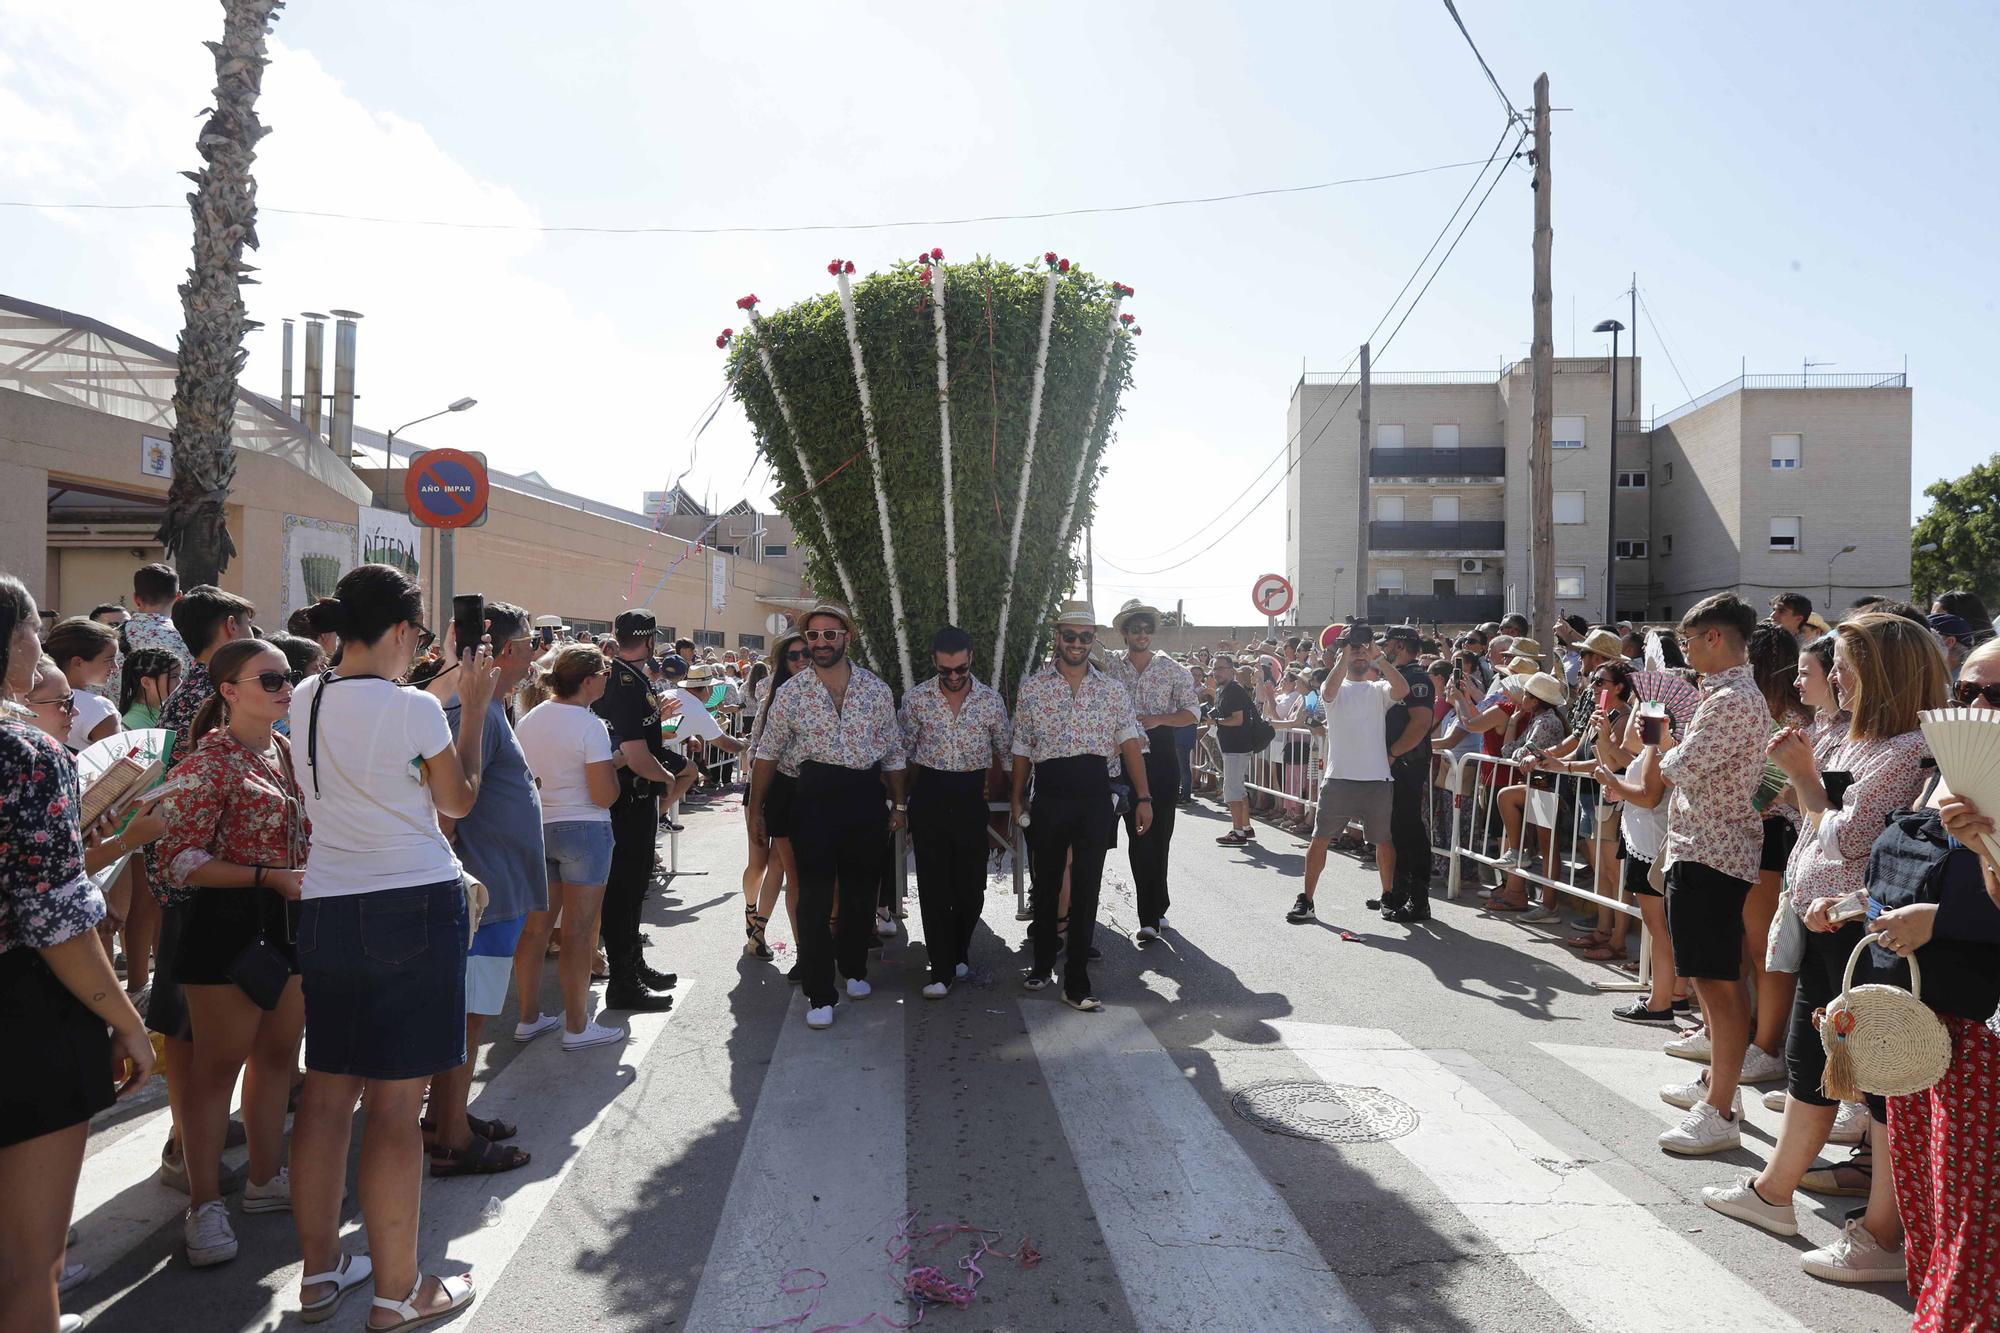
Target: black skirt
x,y
781,806
58,1052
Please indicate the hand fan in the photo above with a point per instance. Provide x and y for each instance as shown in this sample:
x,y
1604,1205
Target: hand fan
x,y
1966,744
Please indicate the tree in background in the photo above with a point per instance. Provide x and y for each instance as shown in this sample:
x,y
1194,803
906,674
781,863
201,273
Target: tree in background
x,y
196,529
1964,523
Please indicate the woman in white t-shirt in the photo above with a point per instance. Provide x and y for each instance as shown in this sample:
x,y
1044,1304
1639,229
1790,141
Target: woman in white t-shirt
x,y
382,937
569,751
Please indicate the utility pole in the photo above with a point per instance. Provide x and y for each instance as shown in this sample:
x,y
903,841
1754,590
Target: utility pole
x,y
1632,412
1089,570
1361,543
1541,498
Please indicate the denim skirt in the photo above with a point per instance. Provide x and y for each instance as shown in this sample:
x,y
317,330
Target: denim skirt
x,y
384,981
578,850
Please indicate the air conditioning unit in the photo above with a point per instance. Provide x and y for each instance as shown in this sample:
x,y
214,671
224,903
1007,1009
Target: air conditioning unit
x,y
1472,566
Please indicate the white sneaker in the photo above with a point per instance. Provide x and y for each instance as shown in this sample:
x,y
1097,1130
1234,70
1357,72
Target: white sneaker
x,y
962,971
1539,916
1850,1123
273,1196
70,1323
1509,860
526,1032
1759,1065
593,1034
1690,1094
209,1239
1741,1201
857,989
821,1017
937,990
1691,1045
1855,1257
1704,1131
1147,935
1774,1100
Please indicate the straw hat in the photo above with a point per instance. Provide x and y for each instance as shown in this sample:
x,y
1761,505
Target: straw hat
x,y
1548,689
1076,619
1134,607
834,609
1525,648
701,673
1523,667
1602,642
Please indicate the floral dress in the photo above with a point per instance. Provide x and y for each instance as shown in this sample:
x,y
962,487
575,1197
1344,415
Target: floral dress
x,y
45,898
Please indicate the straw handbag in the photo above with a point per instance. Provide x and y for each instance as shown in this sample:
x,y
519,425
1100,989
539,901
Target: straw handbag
x,y
1881,1039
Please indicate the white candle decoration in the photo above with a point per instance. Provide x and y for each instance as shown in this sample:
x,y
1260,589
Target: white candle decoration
x,y
944,444
1027,463
875,474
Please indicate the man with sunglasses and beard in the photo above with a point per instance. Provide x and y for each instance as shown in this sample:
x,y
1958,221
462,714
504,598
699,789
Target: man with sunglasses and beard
x,y
1163,696
1075,726
837,725
954,728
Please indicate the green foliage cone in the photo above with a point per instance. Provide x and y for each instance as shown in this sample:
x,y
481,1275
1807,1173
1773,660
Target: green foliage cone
x,y
992,324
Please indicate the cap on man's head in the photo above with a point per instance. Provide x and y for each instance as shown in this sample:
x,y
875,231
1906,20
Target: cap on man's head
x,y
673,664
1955,626
631,624
1402,633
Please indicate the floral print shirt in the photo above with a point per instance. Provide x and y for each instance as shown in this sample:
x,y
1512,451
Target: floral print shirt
x,y
786,765
803,727
1715,771
226,803
1165,686
177,714
147,629
1053,720
962,741
45,897
1832,861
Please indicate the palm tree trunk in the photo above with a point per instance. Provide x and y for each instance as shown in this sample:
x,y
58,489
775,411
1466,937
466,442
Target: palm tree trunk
x,y
224,203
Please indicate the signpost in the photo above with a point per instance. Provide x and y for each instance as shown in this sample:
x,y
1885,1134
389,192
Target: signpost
x,y
777,623
1271,594
447,488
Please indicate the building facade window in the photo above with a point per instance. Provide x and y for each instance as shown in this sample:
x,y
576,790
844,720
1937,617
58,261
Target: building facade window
x,y
1444,509
1569,506
1389,581
1785,533
1389,435
1631,481
1667,543
750,641
1389,508
775,550
1786,451
1569,583
1668,475
709,638
1444,437
1631,550
1568,433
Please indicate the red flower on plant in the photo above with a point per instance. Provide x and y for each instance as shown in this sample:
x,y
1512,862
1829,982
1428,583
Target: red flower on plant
x,y
1137,329
833,267
1120,289
850,266
925,273
1050,256
1125,318
722,338
937,253
748,302
1062,266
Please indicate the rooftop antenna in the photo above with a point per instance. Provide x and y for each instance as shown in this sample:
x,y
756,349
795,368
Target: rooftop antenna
x,y
1805,371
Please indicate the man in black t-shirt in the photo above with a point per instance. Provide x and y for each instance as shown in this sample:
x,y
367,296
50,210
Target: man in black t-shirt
x,y
632,710
1232,713
1408,736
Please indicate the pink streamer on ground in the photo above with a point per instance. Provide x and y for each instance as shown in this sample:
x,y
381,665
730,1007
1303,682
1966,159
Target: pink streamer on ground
x,y
926,1284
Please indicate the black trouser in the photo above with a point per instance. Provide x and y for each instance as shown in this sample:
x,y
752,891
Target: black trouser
x,y
837,844
635,825
1148,851
1069,827
1409,794
948,832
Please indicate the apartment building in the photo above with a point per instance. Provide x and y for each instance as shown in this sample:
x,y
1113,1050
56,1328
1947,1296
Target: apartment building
x,y
1430,522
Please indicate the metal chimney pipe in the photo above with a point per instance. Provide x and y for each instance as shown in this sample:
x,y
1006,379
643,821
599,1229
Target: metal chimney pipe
x,y
285,376
315,369
342,436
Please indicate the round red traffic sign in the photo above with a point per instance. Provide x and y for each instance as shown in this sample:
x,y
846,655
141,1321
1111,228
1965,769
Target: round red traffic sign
x,y
1331,635
1271,595
446,488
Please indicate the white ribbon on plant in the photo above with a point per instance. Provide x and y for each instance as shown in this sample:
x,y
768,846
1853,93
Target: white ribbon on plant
x,y
875,474
805,472
1027,462
1082,467
944,444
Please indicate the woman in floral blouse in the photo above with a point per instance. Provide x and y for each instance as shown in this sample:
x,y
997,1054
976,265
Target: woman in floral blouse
x,y
236,837
58,994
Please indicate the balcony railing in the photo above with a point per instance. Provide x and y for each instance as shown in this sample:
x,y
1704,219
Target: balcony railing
x,y
1472,536
1480,461
1881,379
1390,608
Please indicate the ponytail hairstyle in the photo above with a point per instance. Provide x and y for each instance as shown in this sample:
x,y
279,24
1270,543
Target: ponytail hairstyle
x,y
16,609
571,666
223,668
142,665
371,600
1774,661
79,640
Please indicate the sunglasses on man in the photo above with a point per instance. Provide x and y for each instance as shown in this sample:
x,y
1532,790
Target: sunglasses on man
x,y
825,635
1965,692
955,672
1079,636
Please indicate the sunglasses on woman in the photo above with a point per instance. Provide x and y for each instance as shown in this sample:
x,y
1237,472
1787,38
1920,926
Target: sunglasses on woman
x,y
272,681
1965,692
795,654
67,703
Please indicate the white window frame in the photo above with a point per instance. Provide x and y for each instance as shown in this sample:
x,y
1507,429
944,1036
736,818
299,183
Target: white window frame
x,y
1570,576
1797,538
1576,438
1389,435
1632,480
1798,451
1582,509
1444,435
1384,588
779,550
1446,501
1631,549
1396,500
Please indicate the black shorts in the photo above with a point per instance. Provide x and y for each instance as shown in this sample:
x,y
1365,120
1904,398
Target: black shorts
x,y
1779,839
1820,974
1638,878
58,1052
219,923
1705,921
166,1009
780,806
674,761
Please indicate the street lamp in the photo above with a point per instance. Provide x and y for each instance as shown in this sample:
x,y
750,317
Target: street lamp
x,y
1614,328
1845,550
390,446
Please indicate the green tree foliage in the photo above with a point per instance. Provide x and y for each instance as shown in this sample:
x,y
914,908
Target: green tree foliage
x,y
1964,522
992,320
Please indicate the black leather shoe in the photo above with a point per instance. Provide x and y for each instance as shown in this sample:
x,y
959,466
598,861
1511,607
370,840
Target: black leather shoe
x,y
657,980
638,1002
1407,914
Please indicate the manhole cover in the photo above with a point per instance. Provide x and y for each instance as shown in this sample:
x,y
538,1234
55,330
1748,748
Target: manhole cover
x,y
1329,1112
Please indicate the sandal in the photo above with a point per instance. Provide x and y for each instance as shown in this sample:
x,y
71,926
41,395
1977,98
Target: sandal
x,y
1594,939
496,1131
1498,904
1604,953
354,1270
483,1157
754,928
457,1290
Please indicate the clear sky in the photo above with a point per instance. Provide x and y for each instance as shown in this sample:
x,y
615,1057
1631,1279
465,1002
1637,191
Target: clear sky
x,y
1789,180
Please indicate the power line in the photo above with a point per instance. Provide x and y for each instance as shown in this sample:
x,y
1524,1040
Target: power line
x,y
1150,573
1304,425
1513,115
1661,335
606,230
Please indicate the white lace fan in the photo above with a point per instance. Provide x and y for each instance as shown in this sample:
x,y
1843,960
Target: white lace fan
x,y
1966,745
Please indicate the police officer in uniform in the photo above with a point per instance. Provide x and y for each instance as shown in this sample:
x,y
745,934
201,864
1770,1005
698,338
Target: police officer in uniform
x,y
1408,730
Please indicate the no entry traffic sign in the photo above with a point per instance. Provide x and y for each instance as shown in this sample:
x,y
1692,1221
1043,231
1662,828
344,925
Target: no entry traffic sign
x,y
1271,595
447,488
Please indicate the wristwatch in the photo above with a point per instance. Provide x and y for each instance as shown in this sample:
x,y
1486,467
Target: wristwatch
x,y
898,807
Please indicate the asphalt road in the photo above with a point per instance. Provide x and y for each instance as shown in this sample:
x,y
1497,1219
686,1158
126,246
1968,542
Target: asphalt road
x,y
1482,1156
